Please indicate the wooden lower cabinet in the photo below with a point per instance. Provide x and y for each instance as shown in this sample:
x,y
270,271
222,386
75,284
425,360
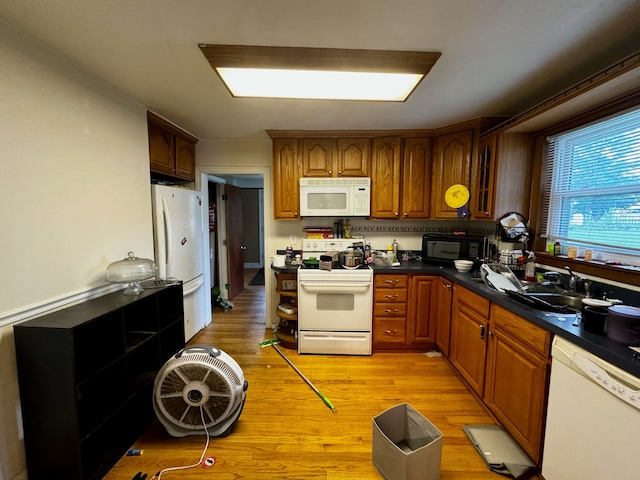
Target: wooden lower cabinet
x,y
517,377
469,328
505,359
403,311
442,319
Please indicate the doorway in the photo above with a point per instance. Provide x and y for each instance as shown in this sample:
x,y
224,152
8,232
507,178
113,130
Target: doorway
x,y
238,238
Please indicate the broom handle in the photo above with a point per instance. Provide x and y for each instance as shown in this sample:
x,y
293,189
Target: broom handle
x,y
313,387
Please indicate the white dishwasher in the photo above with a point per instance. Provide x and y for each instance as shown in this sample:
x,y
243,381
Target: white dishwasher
x,y
593,418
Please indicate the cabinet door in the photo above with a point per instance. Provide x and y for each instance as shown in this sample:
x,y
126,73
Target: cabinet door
x,y
468,348
423,301
286,175
385,178
161,150
353,157
516,389
485,173
443,315
318,157
451,166
416,178
185,158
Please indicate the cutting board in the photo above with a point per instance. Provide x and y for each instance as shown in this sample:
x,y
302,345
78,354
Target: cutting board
x,y
496,280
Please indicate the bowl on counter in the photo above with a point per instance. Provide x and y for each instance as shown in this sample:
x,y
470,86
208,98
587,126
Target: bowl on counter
x,y
381,258
463,266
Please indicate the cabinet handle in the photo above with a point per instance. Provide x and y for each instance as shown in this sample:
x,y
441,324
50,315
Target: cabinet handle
x,y
339,172
391,281
448,285
481,332
392,297
388,310
330,172
391,332
395,213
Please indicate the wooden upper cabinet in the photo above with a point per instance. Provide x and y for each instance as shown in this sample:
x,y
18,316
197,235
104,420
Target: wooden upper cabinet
x,y
385,177
161,149
354,157
172,151
330,157
318,157
502,178
185,158
286,175
451,166
485,173
416,178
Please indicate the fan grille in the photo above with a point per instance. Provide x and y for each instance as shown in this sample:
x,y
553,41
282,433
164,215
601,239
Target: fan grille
x,y
197,380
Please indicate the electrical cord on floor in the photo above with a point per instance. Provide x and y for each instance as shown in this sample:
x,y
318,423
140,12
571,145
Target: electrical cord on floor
x,y
204,451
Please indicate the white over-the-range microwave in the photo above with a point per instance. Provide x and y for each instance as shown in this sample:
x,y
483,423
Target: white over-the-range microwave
x,y
335,197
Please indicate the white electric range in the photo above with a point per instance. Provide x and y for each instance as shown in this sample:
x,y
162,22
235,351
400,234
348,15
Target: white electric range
x,y
334,306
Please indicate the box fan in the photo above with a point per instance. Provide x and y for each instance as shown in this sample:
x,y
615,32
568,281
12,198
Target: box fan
x,y
199,390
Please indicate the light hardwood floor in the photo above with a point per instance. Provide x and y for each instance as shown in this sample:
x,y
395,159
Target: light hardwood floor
x,y
286,432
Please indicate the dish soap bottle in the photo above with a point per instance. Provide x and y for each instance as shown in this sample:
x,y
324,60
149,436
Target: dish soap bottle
x,y
530,268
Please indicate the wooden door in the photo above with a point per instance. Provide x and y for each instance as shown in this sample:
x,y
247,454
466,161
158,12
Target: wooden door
x,y
385,178
423,300
235,247
286,179
318,157
485,173
185,158
161,150
416,178
451,166
443,315
469,331
353,157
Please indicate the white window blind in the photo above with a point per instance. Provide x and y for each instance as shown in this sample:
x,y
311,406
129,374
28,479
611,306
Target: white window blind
x,y
591,185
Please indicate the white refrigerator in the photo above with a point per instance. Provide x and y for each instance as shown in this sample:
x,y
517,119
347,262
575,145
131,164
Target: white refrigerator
x,y
178,234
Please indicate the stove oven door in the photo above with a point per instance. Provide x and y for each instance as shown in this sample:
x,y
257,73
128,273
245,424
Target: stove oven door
x,y
334,317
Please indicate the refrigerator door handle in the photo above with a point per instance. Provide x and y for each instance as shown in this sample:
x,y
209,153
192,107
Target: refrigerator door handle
x,y
167,235
197,285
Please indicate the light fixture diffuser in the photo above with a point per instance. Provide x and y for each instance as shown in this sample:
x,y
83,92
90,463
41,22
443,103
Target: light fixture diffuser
x,y
319,73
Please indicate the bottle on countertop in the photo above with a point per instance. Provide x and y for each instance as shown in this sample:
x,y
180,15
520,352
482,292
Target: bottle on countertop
x,y
289,254
394,245
530,268
557,248
347,229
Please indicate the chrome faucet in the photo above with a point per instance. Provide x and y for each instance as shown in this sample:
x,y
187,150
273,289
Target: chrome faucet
x,y
578,284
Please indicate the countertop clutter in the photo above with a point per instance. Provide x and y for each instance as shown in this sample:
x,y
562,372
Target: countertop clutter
x,y
610,350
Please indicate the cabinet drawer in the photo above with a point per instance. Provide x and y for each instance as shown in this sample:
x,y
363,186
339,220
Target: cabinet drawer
x,y
390,310
390,281
389,330
387,295
473,300
521,329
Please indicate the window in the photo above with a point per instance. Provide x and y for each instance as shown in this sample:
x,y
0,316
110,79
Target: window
x,y
592,183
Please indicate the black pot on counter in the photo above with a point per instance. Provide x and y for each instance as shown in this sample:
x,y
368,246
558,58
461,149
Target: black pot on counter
x,y
594,315
623,324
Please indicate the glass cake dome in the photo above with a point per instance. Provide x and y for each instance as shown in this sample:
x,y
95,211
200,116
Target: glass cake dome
x,y
131,270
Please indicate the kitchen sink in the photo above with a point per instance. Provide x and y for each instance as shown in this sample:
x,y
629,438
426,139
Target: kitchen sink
x,y
571,300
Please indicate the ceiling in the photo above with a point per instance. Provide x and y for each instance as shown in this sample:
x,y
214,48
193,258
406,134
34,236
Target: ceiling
x,y
499,57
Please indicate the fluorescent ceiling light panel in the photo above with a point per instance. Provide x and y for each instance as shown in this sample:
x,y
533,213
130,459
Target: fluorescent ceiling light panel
x,y
317,84
319,73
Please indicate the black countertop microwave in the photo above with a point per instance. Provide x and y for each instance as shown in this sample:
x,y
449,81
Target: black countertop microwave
x,y
444,249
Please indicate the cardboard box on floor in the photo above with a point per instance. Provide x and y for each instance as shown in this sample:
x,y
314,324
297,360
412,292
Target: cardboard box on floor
x,y
406,446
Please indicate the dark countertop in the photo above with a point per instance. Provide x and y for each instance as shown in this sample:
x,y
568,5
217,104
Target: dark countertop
x,y
609,350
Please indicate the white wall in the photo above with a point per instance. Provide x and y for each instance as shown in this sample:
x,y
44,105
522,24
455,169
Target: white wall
x,y
74,198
